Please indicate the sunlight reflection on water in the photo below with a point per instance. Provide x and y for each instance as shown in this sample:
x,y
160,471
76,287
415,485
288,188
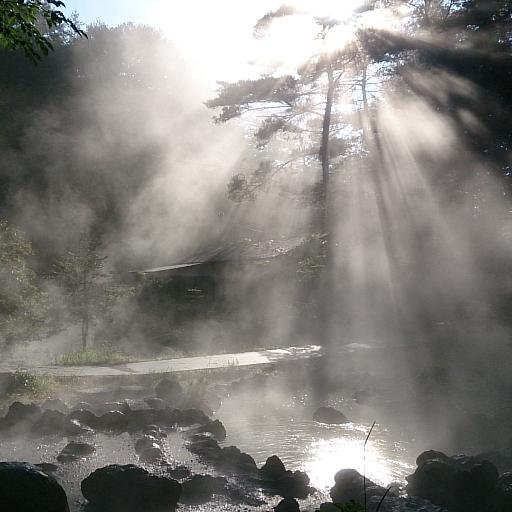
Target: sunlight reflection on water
x,y
320,450
327,456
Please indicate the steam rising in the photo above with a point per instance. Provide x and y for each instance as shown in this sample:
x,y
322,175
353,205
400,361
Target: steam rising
x,y
420,254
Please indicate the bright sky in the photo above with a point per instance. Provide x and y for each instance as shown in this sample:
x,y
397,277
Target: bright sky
x,y
214,35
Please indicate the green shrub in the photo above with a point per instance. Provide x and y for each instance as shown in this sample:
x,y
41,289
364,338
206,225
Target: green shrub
x,y
32,385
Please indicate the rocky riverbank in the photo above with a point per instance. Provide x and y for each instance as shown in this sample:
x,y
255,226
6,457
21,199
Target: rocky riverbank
x,y
170,449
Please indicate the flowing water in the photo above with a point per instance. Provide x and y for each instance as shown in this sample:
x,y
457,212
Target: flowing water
x,y
286,429
262,420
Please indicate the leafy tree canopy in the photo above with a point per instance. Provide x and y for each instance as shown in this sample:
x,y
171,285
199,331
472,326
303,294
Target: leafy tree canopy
x,y
22,304
24,25
89,289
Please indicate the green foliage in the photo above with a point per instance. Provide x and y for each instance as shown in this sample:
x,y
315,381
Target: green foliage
x,y
300,108
264,23
19,25
54,120
313,258
237,98
22,304
102,355
89,290
31,385
243,188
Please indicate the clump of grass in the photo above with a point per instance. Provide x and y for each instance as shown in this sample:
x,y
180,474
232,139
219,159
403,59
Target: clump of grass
x,y
101,355
31,385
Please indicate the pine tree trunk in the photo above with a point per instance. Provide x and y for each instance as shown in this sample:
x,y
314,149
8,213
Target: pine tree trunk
x,y
319,375
324,151
85,331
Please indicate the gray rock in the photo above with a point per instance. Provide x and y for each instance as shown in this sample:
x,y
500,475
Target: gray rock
x,y
233,459
22,415
201,488
349,485
130,489
113,420
146,442
288,505
26,488
47,467
329,415
50,422
273,469
74,451
216,428
179,472
84,417
205,447
460,483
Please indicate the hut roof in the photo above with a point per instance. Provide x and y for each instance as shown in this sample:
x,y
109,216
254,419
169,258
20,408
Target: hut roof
x,y
244,250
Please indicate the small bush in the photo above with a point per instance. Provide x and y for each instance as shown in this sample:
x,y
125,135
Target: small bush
x,y
31,385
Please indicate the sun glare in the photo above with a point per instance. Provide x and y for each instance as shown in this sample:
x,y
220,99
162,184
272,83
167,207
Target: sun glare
x,y
291,40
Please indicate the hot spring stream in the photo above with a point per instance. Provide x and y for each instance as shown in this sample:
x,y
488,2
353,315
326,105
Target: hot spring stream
x,y
261,426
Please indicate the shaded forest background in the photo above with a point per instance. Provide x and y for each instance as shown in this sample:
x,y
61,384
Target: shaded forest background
x,y
108,141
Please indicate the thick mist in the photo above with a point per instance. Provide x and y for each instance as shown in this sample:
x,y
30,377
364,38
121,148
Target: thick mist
x,y
407,284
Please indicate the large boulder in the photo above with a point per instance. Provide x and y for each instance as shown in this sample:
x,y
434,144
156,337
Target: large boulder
x,y
287,505
349,485
26,488
47,467
116,421
215,428
74,451
501,500
178,472
53,422
205,446
294,485
286,483
84,417
329,415
201,488
22,416
188,417
273,469
130,488
139,419
458,483
50,422
146,442
231,458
